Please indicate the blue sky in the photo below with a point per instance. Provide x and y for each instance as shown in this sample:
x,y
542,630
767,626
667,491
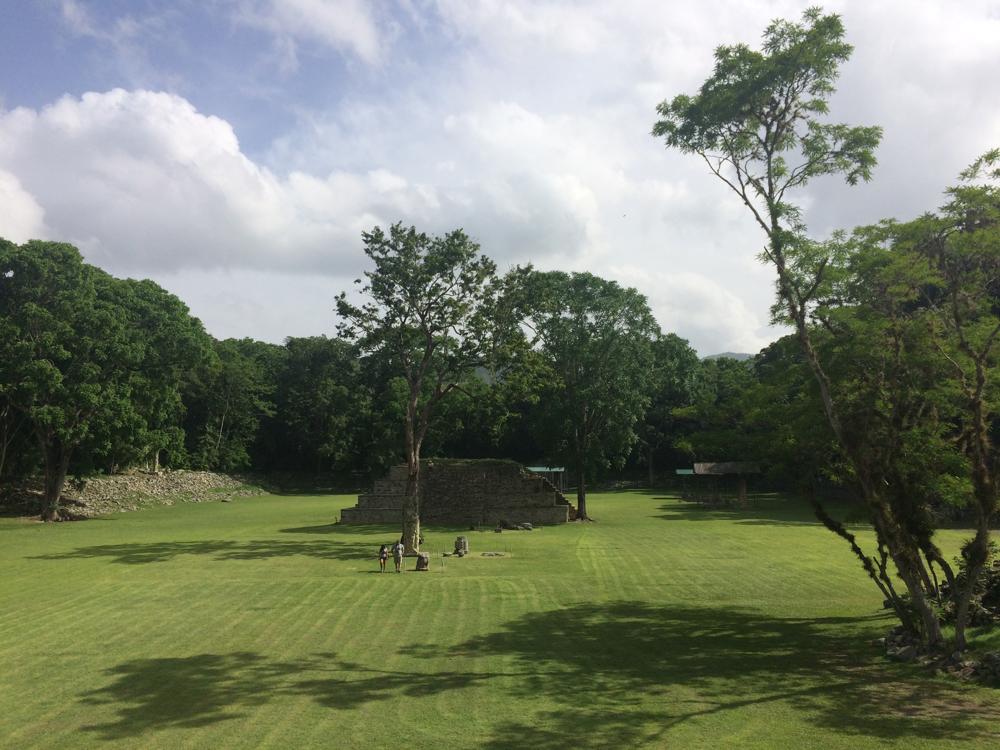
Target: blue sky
x,y
234,150
211,53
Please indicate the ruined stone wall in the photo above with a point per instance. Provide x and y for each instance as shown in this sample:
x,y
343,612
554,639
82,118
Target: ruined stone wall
x,y
465,492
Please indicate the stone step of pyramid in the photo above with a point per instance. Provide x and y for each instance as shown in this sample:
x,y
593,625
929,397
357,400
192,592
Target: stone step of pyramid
x,y
465,491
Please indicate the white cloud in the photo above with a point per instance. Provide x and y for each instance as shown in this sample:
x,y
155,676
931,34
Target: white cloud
x,y
276,304
142,181
714,319
22,218
344,25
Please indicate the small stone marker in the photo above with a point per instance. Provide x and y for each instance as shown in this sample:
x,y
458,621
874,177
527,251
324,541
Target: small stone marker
x,y
462,546
423,561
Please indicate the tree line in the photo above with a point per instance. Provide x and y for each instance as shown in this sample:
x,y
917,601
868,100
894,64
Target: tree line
x,y
100,374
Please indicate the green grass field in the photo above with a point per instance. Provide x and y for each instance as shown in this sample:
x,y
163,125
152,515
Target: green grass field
x,y
260,624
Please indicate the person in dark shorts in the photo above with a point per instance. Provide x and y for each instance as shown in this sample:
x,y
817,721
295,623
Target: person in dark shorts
x,y
383,556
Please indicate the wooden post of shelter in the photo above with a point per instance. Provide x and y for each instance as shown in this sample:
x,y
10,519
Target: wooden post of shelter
x,y
685,487
739,469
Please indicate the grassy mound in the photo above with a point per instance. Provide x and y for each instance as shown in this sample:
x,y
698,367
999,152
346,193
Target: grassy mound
x,y
261,624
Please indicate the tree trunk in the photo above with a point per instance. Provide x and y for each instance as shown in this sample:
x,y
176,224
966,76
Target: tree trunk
x,y
978,554
882,516
652,472
985,494
581,496
218,439
411,505
905,556
878,574
411,500
931,624
10,427
56,466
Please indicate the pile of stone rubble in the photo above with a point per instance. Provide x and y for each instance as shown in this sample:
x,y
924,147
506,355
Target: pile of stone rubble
x,y
900,646
127,492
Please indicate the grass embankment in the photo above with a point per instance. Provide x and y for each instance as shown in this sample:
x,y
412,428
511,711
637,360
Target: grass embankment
x,y
259,624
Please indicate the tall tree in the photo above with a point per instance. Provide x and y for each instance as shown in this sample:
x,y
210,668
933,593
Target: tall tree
x,y
758,123
67,351
964,249
171,343
937,278
675,373
597,339
431,305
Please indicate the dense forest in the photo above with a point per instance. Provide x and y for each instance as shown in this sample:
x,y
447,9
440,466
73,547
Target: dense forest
x,y
102,375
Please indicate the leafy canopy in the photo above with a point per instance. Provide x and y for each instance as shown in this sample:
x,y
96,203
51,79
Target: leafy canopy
x,y
757,120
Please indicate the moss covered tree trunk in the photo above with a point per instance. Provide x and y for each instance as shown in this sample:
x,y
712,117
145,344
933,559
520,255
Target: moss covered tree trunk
x,y
903,550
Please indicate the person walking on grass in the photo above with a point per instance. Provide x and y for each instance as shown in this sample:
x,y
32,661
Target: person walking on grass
x,y
397,554
383,556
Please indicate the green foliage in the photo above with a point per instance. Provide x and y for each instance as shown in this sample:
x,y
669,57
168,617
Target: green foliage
x,y
676,372
758,109
426,305
68,352
764,410
91,365
714,421
226,401
983,581
596,339
172,344
321,403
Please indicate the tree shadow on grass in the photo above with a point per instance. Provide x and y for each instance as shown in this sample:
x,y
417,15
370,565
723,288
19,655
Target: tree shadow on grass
x,y
326,528
193,691
772,512
357,529
621,674
196,691
154,552
697,662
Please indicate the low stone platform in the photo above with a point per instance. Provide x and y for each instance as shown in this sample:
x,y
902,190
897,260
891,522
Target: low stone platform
x,y
465,492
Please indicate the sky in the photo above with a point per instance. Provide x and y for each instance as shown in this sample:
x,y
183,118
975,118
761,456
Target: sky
x,y
235,150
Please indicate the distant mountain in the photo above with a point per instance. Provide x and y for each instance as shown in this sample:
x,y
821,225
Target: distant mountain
x,y
740,356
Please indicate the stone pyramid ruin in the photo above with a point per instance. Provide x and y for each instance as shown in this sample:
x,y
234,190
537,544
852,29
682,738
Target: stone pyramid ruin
x,y
465,492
